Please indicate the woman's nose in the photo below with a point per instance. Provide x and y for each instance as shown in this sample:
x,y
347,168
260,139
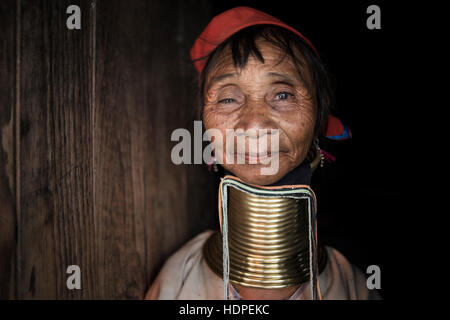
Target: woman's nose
x,y
255,115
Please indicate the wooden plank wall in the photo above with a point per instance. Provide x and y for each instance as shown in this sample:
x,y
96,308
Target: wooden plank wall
x,y
85,121
7,147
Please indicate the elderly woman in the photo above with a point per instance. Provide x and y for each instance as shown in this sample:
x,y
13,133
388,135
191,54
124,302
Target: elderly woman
x,y
259,75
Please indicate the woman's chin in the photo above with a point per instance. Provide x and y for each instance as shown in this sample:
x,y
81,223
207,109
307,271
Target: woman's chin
x,y
253,174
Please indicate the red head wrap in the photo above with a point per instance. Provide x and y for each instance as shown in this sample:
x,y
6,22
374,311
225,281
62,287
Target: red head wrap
x,y
228,23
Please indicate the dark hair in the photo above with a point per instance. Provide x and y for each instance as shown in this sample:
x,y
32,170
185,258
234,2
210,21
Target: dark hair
x,y
243,44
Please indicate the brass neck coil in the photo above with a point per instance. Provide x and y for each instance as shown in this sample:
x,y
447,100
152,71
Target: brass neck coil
x,y
268,241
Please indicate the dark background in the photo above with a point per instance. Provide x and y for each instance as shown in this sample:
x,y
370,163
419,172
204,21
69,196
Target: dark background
x,y
85,124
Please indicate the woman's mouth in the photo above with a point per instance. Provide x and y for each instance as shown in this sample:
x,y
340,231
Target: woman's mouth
x,y
256,158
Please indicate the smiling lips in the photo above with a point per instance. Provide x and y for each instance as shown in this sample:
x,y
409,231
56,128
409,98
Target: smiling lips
x,y
256,158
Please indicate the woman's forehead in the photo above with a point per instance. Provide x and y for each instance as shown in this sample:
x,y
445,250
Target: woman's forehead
x,y
276,64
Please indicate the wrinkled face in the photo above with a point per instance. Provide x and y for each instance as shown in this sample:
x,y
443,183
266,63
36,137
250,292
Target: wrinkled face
x,y
270,95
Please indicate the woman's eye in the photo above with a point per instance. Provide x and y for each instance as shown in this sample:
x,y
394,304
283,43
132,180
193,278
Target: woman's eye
x,y
227,100
283,95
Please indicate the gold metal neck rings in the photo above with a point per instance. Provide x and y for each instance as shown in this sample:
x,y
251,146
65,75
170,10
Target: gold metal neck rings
x,y
268,240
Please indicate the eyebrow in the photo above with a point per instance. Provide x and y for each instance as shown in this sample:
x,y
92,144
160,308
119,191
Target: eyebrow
x,y
222,77
286,78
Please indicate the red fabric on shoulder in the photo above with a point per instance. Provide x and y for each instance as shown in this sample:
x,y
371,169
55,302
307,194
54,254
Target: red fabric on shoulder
x,y
337,130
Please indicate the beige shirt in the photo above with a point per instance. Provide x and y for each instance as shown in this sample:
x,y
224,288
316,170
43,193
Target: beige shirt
x,y
186,276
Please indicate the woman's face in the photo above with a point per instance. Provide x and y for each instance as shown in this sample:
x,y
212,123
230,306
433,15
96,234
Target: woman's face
x,y
269,95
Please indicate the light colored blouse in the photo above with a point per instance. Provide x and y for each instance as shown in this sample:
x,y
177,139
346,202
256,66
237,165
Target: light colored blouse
x,y
187,276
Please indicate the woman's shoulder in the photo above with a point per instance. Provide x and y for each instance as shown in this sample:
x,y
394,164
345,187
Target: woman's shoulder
x,y
344,280
176,268
187,253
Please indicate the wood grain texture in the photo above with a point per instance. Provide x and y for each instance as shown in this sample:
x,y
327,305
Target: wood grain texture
x,y
7,142
143,92
85,171
55,221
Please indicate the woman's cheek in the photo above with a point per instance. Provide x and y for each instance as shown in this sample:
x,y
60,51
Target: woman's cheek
x,y
209,118
216,123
